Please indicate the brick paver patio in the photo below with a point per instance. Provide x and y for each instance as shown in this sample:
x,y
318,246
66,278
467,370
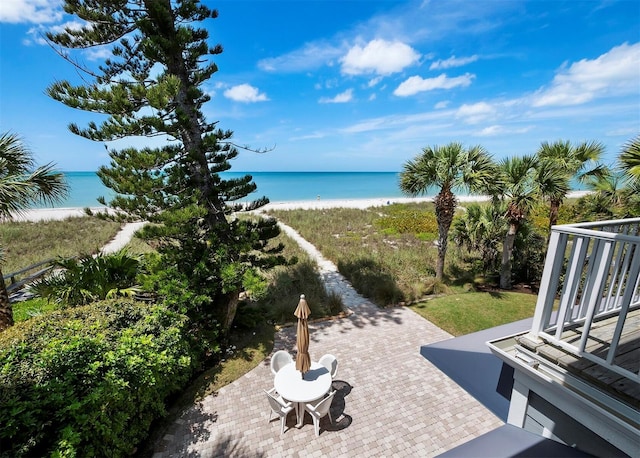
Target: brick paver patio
x,y
390,401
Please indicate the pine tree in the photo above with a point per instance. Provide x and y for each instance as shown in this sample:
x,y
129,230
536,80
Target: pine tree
x,y
152,87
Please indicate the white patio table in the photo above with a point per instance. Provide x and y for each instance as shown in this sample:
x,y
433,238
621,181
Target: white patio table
x,y
290,385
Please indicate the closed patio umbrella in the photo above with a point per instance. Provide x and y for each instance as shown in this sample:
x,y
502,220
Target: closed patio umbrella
x,y
303,360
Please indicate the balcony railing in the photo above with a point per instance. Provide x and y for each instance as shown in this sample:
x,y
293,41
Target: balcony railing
x,y
591,274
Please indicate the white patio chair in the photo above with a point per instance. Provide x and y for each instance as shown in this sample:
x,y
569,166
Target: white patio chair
x,y
280,359
279,407
318,409
331,363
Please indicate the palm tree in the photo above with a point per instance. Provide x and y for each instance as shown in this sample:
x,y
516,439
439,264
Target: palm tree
x,y
481,228
448,167
580,161
613,196
630,159
552,182
519,189
21,186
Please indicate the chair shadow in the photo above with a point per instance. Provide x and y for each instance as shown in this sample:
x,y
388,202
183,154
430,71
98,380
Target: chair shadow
x,y
338,406
337,410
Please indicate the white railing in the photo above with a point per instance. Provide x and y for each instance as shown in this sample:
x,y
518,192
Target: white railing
x,y
591,272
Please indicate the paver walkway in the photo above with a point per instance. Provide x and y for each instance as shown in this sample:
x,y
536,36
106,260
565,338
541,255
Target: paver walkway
x,y
390,401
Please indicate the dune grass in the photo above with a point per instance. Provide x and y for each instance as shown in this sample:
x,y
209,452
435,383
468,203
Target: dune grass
x,y
359,240
388,255
27,243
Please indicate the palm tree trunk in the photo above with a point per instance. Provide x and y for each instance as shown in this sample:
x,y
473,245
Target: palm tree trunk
x,y
6,311
507,252
553,212
445,203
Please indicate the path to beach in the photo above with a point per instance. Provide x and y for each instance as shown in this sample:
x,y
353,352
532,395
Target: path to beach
x,y
390,401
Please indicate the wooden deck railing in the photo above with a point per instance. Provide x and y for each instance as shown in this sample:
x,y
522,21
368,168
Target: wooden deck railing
x,y
591,273
17,280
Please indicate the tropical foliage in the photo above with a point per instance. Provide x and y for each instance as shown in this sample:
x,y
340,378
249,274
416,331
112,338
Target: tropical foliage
x,y
90,278
22,184
518,189
616,191
559,163
630,159
449,168
481,229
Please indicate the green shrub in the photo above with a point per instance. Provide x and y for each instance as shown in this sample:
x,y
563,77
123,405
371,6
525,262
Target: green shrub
x,y
410,222
90,278
89,381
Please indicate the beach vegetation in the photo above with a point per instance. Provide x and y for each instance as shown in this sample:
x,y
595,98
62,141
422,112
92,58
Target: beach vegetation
x,y
616,191
480,230
374,279
23,184
397,264
30,242
630,159
79,281
90,380
558,163
407,219
519,191
448,167
152,86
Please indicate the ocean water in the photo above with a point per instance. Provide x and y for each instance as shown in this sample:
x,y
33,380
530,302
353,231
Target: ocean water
x,y
86,187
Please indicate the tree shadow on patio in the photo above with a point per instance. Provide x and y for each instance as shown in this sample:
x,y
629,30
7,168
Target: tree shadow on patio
x,y
199,432
228,447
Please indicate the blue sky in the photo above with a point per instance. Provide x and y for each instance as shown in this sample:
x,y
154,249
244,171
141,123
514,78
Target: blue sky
x,y
364,85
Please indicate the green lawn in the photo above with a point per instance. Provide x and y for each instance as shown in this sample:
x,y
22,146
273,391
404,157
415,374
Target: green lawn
x,y
460,314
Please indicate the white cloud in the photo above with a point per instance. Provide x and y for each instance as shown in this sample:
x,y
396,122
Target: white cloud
x,y
379,57
495,130
36,11
491,131
99,53
476,112
311,136
373,81
245,93
310,57
37,33
614,73
343,97
416,84
441,105
452,61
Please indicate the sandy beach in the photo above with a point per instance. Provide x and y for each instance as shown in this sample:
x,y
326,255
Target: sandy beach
x,y
47,214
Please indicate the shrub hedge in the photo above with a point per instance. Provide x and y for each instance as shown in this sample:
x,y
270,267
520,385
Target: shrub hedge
x,y
88,381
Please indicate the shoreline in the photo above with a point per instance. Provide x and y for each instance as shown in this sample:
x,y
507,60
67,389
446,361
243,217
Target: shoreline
x,y
49,214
